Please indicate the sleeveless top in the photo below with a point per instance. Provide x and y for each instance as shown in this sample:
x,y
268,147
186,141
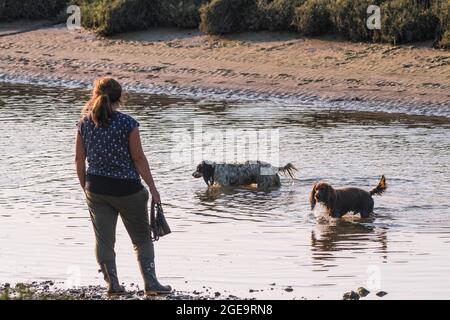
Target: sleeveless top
x,y
110,168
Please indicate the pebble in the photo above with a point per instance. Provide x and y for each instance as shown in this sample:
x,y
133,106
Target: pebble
x,y
352,295
363,292
381,293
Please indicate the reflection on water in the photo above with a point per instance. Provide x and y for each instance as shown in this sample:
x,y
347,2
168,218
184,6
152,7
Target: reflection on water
x,y
235,239
343,235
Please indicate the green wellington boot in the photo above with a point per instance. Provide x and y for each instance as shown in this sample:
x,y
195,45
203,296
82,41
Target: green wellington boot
x,y
109,271
152,285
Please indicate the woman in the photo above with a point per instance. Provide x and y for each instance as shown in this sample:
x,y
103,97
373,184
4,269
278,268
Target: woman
x,y
109,140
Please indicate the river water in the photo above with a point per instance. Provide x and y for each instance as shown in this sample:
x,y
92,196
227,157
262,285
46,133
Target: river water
x,y
240,240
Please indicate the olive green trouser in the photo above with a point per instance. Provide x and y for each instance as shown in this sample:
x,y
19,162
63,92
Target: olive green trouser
x,y
105,209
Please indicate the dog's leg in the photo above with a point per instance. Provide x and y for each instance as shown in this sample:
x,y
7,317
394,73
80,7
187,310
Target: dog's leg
x,y
335,213
265,182
365,214
367,209
276,181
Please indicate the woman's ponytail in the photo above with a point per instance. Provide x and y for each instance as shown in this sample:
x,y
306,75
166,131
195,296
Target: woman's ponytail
x,y
101,110
105,97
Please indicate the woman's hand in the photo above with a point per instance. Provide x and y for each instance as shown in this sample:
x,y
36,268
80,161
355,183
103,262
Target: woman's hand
x,y
155,196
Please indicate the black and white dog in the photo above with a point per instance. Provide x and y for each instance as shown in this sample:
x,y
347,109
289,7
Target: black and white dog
x,y
240,174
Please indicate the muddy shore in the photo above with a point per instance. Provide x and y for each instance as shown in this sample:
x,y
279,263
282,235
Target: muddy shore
x,y
251,65
50,290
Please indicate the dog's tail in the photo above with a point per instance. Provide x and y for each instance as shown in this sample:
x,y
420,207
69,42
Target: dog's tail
x,y
288,170
380,188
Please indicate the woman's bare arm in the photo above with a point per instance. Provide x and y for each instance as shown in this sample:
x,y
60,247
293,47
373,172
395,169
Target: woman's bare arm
x,y
80,160
141,163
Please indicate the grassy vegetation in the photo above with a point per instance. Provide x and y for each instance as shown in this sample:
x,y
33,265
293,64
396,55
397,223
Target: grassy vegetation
x,y
407,21
277,15
108,17
30,9
220,17
179,13
441,9
314,17
402,21
349,19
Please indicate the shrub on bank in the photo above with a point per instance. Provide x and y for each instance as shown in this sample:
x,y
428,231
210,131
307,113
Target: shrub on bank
x,y
349,19
407,21
314,17
179,13
441,9
227,16
277,15
107,17
401,20
30,9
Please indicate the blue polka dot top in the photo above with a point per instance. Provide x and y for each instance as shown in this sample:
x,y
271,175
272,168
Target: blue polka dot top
x,y
107,149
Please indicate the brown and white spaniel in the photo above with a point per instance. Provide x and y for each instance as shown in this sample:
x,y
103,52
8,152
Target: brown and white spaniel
x,y
338,202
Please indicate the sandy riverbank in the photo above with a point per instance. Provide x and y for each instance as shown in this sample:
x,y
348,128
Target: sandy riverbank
x,y
249,64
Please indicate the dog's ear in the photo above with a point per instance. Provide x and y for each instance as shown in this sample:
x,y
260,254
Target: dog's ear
x,y
312,199
208,173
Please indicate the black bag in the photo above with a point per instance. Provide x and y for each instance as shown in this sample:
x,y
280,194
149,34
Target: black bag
x,y
158,223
